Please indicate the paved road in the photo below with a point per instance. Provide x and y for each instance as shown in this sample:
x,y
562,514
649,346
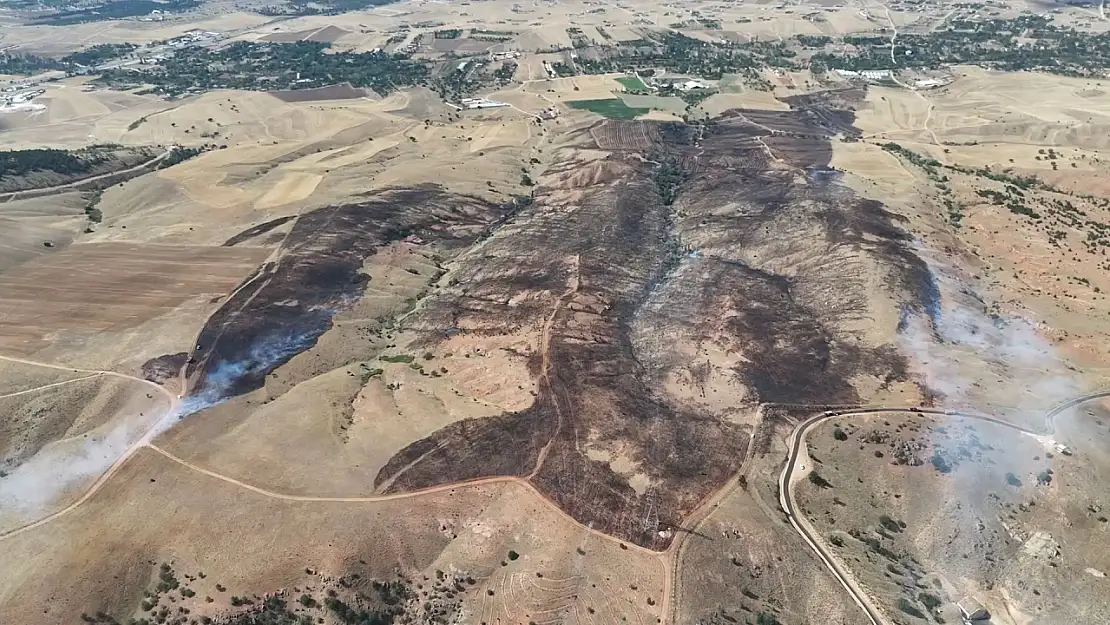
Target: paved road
x,y
9,196
796,444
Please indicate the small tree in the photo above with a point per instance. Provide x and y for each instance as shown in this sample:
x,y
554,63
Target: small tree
x,y
818,481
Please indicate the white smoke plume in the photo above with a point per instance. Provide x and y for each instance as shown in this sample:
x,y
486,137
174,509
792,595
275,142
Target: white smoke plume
x,y
982,361
66,465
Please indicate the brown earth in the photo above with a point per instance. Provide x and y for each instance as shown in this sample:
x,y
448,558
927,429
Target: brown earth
x,y
618,345
597,440
131,284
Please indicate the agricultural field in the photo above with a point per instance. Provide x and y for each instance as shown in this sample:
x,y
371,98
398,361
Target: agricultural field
x,y
613,108
413,312
632,83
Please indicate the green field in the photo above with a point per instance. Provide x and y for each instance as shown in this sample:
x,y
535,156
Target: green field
x,y
632,83
609,107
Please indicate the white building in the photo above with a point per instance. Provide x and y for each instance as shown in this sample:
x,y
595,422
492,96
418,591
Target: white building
x,y
869,74
690,85
973,611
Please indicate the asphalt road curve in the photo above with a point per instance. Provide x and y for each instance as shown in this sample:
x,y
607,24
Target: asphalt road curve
x,y
801,525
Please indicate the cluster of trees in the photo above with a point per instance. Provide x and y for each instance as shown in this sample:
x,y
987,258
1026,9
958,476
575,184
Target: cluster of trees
x,y
179,155
320,7
22,162
1029,42
25,64
263,67
115,10
98,54
680,54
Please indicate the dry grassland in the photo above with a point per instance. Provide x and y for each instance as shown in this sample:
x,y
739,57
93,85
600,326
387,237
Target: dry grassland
x,y
347,430
994,524
59,439
27,226
575,88
1003,110
282,157
105,546
20,377
1043,276
294,473
745,559
53,40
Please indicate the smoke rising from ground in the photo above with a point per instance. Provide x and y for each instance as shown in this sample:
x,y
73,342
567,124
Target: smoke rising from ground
x,y
997,364
982,361
66,465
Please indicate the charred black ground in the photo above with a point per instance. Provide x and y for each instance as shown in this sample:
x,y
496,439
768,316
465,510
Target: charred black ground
x,y
710,232
259,230
732,233
287,304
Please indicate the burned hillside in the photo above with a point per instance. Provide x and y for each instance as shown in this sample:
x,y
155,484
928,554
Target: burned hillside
x,y
653,246
289,302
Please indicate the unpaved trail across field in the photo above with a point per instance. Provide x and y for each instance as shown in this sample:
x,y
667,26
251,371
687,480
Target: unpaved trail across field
x,y
797,444
171,410
52,385
668,559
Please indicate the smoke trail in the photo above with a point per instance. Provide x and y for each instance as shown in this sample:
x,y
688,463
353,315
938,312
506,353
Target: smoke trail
x,y
58,467
224,379
973,357
986,361
62,466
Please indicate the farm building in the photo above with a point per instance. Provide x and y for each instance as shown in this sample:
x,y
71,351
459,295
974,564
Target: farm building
x,y
973,611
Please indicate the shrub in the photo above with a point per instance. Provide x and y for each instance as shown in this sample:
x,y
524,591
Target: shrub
x,y
930,601
940,464
1013,480
818,481
909,608
890,524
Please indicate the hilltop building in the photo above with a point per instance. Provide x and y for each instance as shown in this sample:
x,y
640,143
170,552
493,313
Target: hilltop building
x,y
973,611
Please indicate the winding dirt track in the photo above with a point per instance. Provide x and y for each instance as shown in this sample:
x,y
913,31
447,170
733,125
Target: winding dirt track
x,y
796,443
46,386
668,559
96,486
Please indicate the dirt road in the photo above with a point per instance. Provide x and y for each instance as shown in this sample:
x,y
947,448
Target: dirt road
x,y
668,559
61,188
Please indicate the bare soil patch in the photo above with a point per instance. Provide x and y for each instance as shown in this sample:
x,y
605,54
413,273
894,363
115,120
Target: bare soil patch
x,y
342,91
57,295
